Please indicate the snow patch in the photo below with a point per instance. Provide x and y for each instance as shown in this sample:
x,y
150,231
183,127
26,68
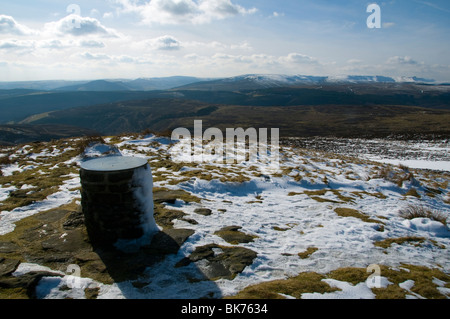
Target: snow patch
x,y
427,225
100,150
420,164
25,268
65,195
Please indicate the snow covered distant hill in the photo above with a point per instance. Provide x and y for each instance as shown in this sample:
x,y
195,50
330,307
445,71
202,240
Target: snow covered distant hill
x,y
254,82
241,82
262,81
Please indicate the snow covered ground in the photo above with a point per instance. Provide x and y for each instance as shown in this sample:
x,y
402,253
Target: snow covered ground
x,y
422,154
287,212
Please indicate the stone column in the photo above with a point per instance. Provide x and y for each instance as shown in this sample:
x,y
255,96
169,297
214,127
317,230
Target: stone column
x,y
117,199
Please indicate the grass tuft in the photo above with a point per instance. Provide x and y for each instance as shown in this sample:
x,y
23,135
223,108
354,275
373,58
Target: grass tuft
x,y
397,177
386,243
348,212
86,141
5,160
420,211
307,282
308,252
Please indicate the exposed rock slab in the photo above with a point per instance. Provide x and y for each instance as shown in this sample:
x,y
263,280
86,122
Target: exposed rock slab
x,y
203,211
169,241
217,261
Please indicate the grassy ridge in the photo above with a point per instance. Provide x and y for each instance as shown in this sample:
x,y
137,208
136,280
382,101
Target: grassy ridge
x,y
348,110
320,120
16,105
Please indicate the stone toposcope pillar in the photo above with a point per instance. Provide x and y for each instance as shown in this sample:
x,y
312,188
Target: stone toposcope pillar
x,y
117,200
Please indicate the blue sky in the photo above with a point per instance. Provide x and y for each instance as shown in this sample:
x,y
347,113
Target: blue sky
x,y
41,40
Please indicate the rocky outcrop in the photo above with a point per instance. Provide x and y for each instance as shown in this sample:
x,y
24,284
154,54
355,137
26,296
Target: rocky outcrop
x,y
203,211
26,283
217,261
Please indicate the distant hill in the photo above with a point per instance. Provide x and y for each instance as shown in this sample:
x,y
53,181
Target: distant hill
x,y
21,133
141,84
130,116
17,105
145,84
293,121
38,85
96,86
410,94
299,105
236,83
264,81
242,82
252,82
5,94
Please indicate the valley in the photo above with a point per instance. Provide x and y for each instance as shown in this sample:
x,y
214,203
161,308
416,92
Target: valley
x,y
300,106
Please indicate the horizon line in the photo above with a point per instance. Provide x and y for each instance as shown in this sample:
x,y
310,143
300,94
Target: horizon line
x,y
337,77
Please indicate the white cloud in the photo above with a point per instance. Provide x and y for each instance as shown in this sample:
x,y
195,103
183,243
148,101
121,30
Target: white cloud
x,y
299,58
388,24
76,25
13,44
108,15
258,62
126,59
57,44
261,63
223,63
54,44
397,67
110,59
9,26
193,57
354,61
401,60
95,56
182,11
242,46
92,44
94,12
276,14
165,42
220,9
217,46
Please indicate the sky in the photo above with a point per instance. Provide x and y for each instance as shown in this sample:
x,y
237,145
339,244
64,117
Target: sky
x,y
118,39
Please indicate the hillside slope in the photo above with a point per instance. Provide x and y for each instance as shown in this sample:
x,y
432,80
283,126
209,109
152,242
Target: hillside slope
x,y
296,121
23,133
17,105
